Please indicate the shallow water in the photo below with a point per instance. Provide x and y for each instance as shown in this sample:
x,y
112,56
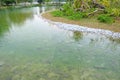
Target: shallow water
x,y
34,49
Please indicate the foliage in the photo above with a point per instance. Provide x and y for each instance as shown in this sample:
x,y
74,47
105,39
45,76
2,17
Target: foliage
x,y
57,13
47,0
105,18
8,2
69,13
105,10
66,7
67,10
116,12
106,3
39,1
72,16
80,8
77,3
77,16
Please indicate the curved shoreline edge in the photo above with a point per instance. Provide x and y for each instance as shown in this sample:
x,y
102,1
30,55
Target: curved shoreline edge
x,y
74,27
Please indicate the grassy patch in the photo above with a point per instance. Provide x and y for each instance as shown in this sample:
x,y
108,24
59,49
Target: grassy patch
x,y
57,13
68,13
105,18
77,16
71,15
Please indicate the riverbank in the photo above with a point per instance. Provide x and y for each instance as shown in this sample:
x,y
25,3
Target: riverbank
x,y
18,6
89,22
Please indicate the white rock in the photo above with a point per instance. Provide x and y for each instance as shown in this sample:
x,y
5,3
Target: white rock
x,y
72,27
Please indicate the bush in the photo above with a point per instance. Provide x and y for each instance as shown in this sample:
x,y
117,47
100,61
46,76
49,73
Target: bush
x,y
116,12
67,10
77,16
69,14
57,13
105,18
66,7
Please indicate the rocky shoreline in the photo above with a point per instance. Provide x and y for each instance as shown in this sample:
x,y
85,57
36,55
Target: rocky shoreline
x,y
88,30
73,27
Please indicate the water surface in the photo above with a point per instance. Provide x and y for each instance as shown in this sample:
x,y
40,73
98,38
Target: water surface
x,y
33,49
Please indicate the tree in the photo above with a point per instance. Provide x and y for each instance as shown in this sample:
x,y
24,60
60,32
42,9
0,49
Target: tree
x,y
40,1
0,2
8,2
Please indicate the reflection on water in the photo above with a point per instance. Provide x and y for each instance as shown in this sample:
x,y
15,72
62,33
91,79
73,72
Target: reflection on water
x,y
77,35
117,41
33,49
9,18
3,22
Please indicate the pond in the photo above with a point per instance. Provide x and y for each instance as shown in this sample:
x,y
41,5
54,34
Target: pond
x,y
33,49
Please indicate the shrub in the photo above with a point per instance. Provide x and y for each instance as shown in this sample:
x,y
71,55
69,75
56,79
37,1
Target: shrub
x,y
57,13
67,10
105,18
115,12
66,7
77,16
106,3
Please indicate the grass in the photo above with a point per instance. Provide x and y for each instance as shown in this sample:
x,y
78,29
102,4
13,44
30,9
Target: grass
x,y
57,13
71,16
105,18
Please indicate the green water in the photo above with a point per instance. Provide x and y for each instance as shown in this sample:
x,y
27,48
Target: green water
x,y
33,49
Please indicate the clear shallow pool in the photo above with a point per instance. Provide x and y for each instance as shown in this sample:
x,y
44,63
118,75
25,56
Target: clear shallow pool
x,y
33,49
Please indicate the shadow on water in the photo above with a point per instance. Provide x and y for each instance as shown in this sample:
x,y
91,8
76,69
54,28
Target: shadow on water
x,y
19,16
114,40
